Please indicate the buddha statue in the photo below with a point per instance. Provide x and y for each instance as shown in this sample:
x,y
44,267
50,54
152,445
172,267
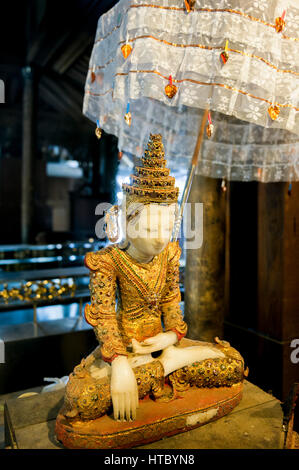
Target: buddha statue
x,y
136,314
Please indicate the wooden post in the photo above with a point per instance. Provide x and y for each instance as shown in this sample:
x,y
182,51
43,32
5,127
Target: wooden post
x,y
278,273
28,154
262,320
205,266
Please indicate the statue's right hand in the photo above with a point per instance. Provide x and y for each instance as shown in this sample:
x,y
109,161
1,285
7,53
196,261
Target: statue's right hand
x,y
124,391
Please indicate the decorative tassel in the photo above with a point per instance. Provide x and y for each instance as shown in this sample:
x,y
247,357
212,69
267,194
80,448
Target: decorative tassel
x,y
223,185
189,4
280,23
128,116
224,54
273,112
126,50
290,189
210,127
170,89
98,131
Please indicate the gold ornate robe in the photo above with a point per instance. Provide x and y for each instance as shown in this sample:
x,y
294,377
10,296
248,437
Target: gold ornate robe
x,y
148,294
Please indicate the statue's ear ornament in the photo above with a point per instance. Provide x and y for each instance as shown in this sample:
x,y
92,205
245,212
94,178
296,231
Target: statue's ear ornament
x,y
112,227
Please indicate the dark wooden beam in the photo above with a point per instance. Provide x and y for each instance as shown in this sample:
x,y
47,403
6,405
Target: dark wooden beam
x,y
72,52
43,48
67,29
61,94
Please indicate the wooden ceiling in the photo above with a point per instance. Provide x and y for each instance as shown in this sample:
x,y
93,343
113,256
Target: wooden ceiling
x,y
55,38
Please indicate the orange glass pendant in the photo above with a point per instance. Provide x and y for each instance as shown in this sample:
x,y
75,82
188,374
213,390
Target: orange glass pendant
x,y
128,118
98,131
170,89
273,112
209,130
280,23
223,185
210,127
128,115
126,50
92,77
189,4
224,54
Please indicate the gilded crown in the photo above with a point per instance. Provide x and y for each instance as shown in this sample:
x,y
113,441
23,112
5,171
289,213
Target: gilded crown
x,y
151,181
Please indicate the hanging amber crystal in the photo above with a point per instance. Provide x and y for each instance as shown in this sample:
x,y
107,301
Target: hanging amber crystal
x,y
171,90
126,50
209,130
279,24
224,57
223,185
273,112
92,77
98,132
189,4
128,118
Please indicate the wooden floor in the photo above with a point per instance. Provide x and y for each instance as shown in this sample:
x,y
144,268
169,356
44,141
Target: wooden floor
x,y
256,423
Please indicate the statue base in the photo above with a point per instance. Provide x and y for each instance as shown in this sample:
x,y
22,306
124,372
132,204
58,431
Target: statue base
x,y
154,420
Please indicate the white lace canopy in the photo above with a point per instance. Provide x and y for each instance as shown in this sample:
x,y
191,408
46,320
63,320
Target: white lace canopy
x,y
262,71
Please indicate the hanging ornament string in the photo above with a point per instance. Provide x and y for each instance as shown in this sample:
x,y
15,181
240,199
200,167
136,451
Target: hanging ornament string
x,y
280,22
210,126
98,131
170,89
224,54
128,116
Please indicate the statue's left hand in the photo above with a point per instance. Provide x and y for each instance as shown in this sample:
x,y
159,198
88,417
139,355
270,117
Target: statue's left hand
x,y
155,343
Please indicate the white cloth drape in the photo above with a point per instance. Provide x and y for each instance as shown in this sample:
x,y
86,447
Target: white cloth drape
x,y
263,69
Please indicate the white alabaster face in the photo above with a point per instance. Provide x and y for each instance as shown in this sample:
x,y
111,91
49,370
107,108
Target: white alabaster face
x,y
150,230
